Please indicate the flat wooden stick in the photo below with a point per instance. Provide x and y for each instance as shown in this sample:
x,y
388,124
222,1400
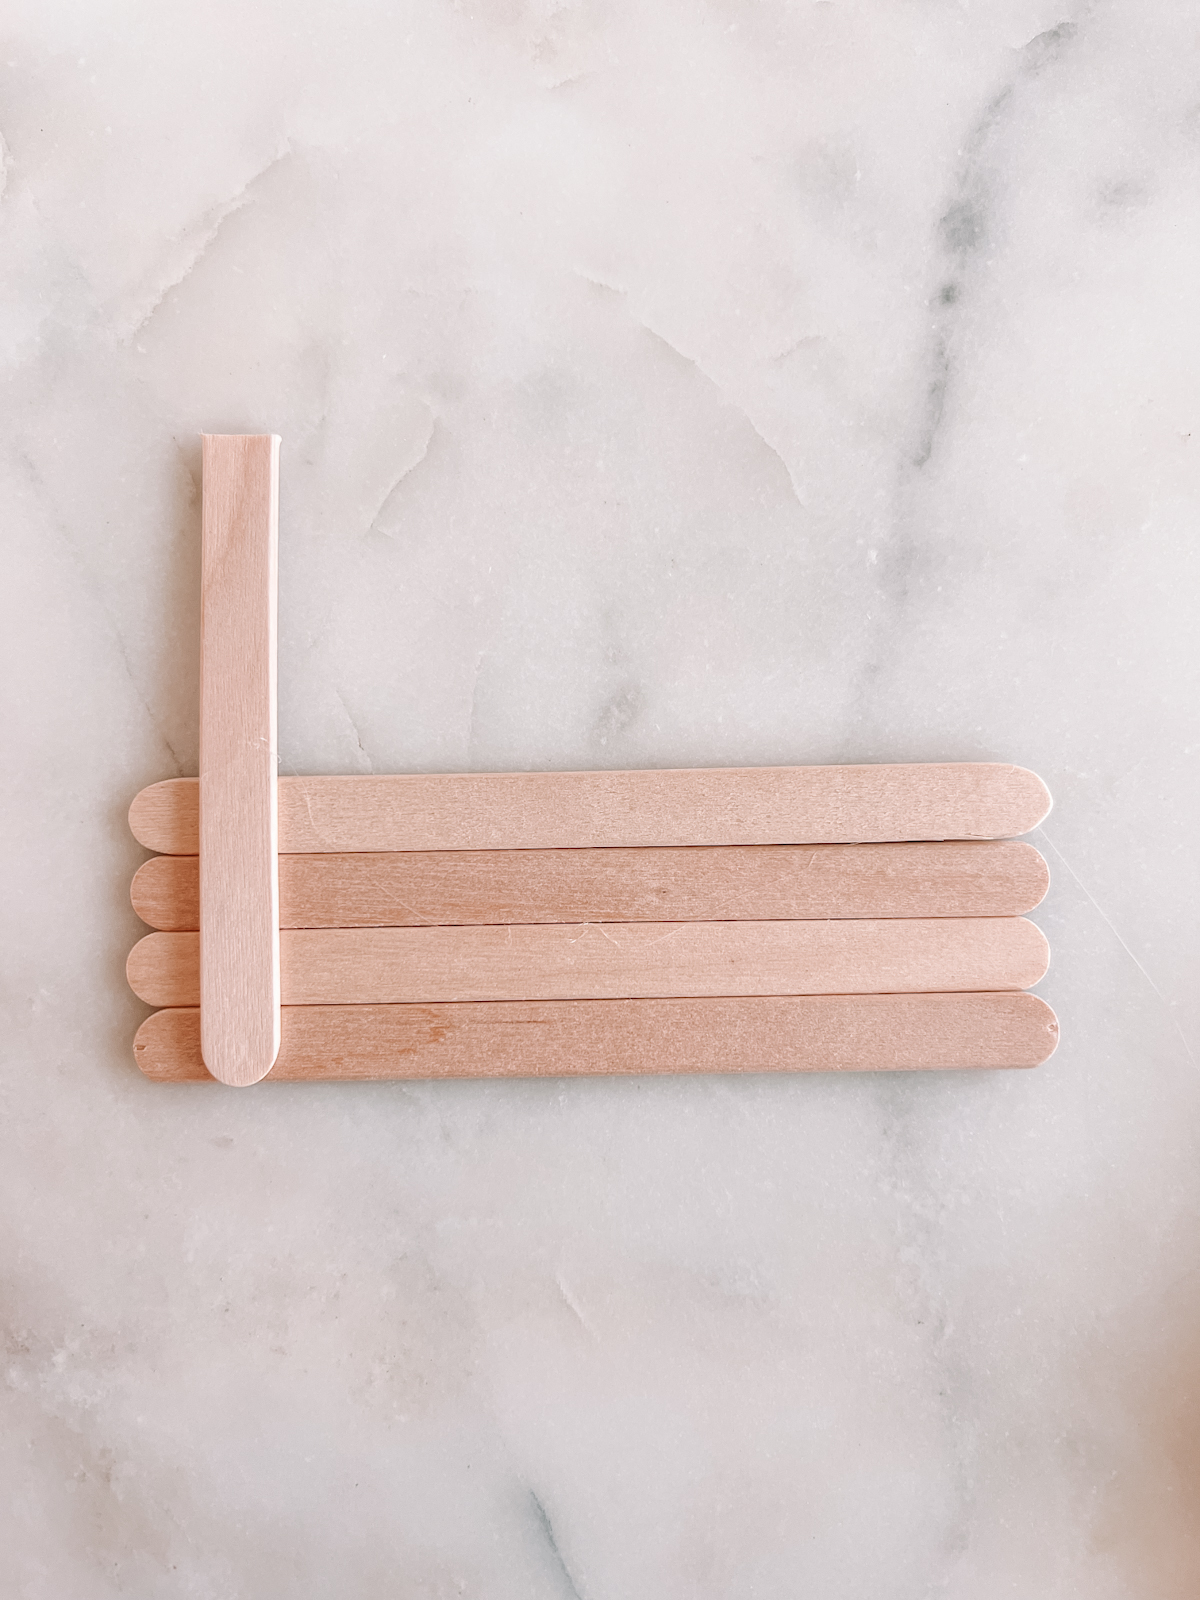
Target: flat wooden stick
x,y
617,961
736,883
840,1033
239,899
579,810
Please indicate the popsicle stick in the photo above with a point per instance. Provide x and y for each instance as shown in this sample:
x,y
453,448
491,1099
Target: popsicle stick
x,y
238,887
574,810
521,1039
734,883
618,961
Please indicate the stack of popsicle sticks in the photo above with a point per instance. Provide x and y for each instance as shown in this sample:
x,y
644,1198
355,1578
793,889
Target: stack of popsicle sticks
x,y
522,924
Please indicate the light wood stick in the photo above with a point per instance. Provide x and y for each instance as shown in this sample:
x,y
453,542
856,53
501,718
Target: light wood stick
x,y
238,888
735,883
562,961
573,810
839,1033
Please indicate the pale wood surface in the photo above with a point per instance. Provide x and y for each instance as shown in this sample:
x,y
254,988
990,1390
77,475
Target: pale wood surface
x,y
570,810
735,883
562,961
239,902
839,1033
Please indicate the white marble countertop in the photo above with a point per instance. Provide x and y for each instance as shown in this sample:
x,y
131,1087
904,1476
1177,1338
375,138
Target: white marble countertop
x,y
659,385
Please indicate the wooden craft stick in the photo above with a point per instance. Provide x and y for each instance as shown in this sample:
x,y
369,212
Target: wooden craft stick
x,y
579,810
238,970
617,961
521,1039
735,883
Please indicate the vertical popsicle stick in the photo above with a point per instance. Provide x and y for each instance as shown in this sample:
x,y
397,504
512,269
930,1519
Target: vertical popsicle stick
x,y
239,883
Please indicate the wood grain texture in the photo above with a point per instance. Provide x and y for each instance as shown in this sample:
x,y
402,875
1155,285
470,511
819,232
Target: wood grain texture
x,y
580,810
239,899
734,883
840,1033
562,961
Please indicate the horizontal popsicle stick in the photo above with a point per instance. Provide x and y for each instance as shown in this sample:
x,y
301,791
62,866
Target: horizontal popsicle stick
x,y
573,810
521,1039
617,961
732,883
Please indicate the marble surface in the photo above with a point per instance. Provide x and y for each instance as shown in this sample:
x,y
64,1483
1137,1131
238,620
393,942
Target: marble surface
x,y
659,384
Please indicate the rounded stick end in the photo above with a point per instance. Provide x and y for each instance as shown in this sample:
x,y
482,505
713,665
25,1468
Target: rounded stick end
x,y
166,816
242,1059
1032,800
